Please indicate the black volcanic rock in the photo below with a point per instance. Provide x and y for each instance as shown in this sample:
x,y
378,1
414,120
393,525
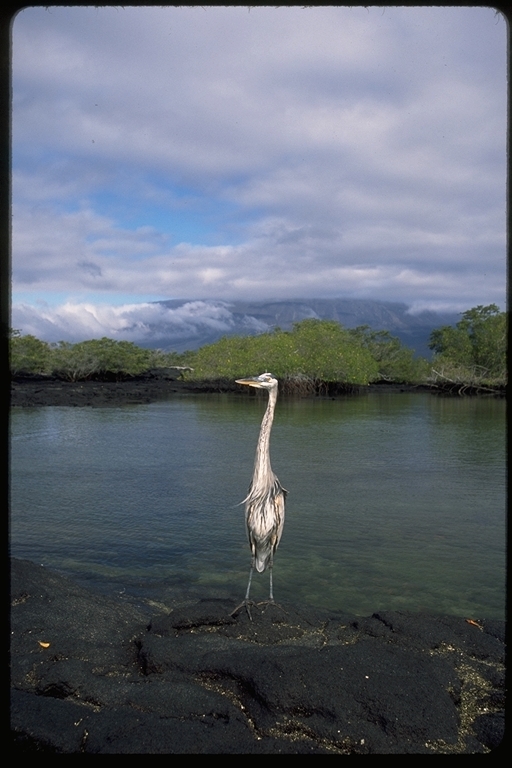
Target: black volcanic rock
x,y
37,392
101,675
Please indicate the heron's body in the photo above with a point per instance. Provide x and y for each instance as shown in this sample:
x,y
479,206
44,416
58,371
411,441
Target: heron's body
x,y
264,518
265,501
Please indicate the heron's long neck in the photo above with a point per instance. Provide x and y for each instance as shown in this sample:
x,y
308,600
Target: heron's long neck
x,y
262,468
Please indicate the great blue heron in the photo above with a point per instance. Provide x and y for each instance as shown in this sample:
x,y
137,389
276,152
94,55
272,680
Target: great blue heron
x,y
264,504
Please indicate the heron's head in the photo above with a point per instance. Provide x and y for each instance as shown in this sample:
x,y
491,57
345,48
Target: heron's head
x,y
263,381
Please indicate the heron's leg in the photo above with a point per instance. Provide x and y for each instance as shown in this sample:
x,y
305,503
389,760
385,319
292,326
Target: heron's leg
x,y
271,600
246,601
249,584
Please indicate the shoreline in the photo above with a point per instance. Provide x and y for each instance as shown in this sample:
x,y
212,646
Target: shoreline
x,y
39,391
93,674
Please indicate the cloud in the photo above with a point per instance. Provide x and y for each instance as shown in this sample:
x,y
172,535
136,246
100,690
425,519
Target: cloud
x,y
285,152
141,323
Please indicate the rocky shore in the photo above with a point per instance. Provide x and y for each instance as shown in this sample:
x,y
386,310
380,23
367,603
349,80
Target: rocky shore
x,y
115,675
37,391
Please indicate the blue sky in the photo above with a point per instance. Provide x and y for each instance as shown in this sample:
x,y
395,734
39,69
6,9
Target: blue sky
x,y
215,153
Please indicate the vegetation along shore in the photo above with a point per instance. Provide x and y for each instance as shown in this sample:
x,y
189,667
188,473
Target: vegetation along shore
x,y
316,357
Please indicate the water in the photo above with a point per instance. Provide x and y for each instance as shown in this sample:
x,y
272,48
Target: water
x,y
395,501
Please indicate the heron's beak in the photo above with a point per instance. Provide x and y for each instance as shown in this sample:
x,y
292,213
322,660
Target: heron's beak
x,y
251,381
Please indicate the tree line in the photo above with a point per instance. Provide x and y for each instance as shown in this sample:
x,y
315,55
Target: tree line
x,y
471,353
94,359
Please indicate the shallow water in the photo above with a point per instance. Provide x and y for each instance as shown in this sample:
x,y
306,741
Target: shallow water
x,y
396,501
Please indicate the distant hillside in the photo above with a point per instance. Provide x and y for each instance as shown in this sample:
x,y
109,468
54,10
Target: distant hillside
x,y
203,322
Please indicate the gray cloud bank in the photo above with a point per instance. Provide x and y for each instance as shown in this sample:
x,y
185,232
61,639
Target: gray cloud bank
x,y
153,324
180,325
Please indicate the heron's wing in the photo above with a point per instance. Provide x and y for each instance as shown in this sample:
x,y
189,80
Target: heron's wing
x,y
279,504
265,522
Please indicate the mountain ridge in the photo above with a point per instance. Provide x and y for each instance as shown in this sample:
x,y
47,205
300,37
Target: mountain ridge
x,y
216,318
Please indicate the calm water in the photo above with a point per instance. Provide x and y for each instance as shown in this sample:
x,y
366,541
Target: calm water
x,y
395,501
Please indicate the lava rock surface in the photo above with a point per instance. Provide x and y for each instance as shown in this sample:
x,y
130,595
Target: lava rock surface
x,y
98,674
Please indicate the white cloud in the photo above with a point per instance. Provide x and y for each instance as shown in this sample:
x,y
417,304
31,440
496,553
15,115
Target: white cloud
x,y
130,322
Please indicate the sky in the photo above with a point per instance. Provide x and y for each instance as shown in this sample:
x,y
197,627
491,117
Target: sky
x,y
235,153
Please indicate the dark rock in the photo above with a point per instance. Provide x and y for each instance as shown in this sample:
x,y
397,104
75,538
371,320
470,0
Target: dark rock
x,y
27,392
490,729
93,674
46,724
32,392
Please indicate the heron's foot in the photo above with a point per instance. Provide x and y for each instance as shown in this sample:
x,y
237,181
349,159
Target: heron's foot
x,y
271,601
244,604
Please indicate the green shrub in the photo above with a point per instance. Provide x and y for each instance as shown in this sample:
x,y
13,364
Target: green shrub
x,y
475,350
316,349
28,354
396,362
99,358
